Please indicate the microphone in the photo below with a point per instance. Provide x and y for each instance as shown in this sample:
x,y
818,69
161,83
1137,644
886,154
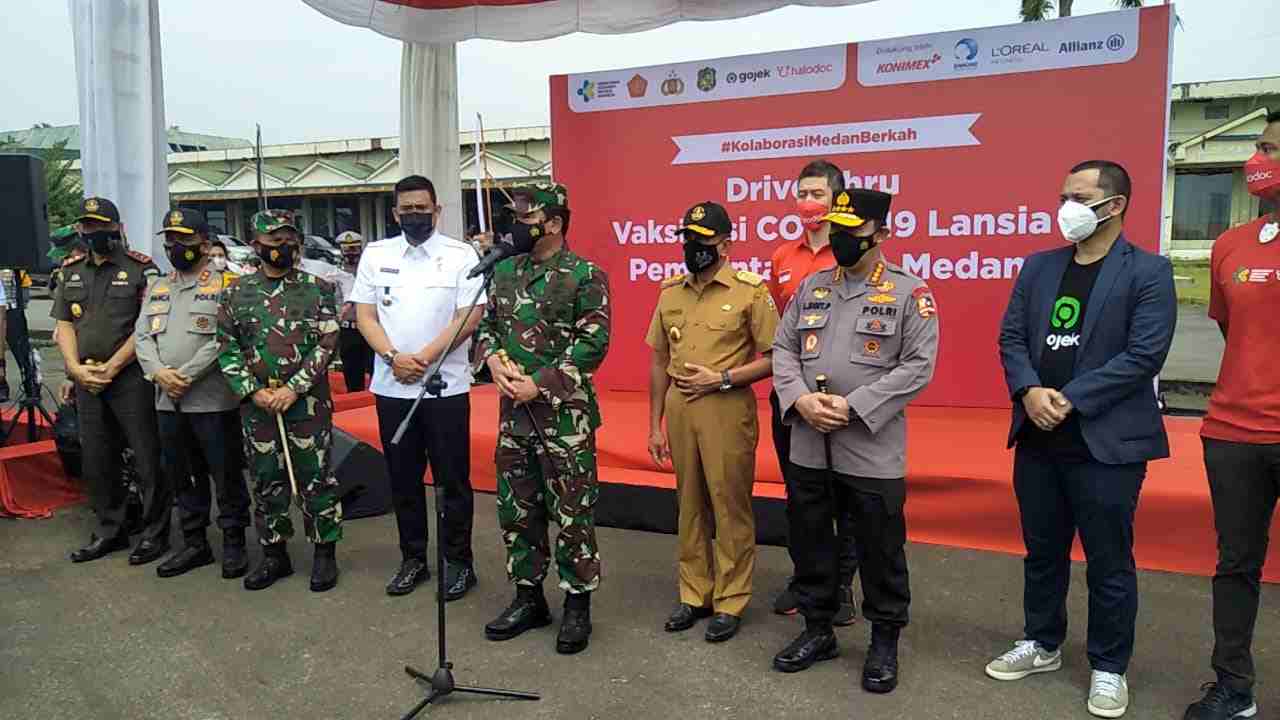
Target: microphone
x,y
499,252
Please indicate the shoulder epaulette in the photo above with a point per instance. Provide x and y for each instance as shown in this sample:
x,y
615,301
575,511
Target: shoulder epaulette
x,y
749,277
140,257
74,257
673,281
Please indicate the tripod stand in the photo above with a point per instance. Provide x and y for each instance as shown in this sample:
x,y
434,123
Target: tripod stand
x,y
441,682
19,341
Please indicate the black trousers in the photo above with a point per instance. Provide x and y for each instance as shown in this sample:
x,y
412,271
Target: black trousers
x,y
357,358
194,449
844,521
1244,482
1055,499
439,434
879,531
124,413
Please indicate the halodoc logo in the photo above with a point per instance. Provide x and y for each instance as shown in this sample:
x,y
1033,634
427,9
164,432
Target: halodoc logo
x,y
1066,316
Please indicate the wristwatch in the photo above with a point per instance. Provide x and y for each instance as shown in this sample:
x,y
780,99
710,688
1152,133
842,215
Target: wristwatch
x,y
389,357
725,383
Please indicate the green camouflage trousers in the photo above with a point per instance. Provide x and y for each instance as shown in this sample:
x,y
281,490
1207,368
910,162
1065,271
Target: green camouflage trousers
x,y
536,487
309,424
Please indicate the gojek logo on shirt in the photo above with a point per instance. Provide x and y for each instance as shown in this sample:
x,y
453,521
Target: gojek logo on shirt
x,y
1066,316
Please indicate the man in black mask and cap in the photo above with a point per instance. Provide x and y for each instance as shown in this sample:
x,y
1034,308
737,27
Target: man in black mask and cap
x,y
855,345
96,305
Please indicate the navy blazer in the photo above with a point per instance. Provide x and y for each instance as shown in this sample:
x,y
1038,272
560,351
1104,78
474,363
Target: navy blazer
x,y
1128,328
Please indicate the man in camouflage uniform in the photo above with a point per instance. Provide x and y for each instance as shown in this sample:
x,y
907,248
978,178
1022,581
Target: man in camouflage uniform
x,y
277,330
545,331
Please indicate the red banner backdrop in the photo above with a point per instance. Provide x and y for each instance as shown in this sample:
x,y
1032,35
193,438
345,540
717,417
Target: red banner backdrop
x,y
973,131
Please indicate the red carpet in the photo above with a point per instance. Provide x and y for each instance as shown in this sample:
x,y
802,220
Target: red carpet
x,y
959,478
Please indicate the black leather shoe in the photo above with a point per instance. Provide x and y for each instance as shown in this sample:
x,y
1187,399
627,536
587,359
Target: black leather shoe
x,y
274,566
235,561
412,573
185,560
575,632
1221,703
811,646
722,627
324,567
99,547
148,551
847,614
458,579
684,617
528,611
787,603
880,673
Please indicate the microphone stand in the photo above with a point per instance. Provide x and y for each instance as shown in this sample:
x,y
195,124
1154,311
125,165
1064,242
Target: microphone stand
x,y
441,682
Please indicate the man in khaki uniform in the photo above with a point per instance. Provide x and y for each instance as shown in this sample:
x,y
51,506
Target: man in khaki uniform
x,y
197,414
856,343
711,335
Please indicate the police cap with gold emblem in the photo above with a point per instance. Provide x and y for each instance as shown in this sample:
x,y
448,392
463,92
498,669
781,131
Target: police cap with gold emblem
x,y
851,208
99,209
186,222
706,219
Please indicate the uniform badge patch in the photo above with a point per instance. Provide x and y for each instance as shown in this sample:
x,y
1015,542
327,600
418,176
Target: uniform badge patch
x,y
674,334
726,307
886,286
925,306
122,275
882,299
203,323
810,342
871,348
811,319
76,310
155,323
821,293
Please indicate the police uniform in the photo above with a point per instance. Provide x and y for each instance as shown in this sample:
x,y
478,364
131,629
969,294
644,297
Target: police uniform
x,y
353,349
101,296
875,338
721,325
200,433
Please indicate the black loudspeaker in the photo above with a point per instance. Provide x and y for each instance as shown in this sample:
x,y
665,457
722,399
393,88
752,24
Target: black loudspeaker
x,y
23,214
363,483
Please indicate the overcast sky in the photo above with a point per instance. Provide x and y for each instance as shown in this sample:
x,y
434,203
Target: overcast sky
x,y
231,63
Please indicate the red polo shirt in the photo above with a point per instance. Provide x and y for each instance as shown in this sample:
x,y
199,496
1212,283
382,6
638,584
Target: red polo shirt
x,y
1244,292
792,263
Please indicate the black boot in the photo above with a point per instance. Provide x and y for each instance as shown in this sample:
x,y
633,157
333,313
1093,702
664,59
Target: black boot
x,y
880,673
274,566
235,561
195,553
528,611
575,626
324,568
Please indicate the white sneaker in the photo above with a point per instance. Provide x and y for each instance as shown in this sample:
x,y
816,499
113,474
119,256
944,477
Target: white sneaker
x,y
1026,658
1108,694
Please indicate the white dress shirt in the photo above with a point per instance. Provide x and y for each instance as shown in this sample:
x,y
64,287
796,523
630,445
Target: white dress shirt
x,y
416,291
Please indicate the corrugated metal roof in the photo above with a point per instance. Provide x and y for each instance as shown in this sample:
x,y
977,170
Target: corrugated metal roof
x,y
179,140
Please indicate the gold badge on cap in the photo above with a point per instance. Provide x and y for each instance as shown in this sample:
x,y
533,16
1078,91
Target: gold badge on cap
x,y
175,217
76,310
674,334
697,214
842,198
91,204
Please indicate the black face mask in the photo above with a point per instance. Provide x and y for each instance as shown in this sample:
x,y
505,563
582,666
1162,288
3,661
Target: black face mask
x,y
525,236
352,259
417,227
699,257
279,257
101,241
848,248
184,257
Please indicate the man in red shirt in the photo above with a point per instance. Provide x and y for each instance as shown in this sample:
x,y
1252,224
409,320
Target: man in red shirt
x,y
1241,433
794,261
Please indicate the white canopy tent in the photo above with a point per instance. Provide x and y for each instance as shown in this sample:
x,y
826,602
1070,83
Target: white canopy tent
x,y
118,73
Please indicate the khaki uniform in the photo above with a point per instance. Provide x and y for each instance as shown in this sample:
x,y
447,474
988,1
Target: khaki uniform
x,y
722,325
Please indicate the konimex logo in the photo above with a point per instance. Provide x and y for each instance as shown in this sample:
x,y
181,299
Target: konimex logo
x,y
908,65
966,54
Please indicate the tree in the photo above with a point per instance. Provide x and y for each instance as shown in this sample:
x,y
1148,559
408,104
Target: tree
x,y
1033,10
63,190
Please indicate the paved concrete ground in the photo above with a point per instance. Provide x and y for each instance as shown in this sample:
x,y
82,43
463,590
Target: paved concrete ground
x,y
108,641
1197,347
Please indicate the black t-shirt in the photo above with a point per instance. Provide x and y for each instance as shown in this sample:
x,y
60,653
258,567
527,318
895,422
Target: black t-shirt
x,y
1057,363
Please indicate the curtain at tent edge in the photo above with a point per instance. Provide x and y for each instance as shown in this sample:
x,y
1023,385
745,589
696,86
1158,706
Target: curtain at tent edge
x,y
120,89
429,125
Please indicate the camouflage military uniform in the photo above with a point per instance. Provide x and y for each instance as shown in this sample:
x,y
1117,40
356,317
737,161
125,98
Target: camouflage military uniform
x,y
552,319
284,329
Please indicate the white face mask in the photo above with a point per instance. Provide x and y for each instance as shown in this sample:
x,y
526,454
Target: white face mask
x,y
218,263
1078,222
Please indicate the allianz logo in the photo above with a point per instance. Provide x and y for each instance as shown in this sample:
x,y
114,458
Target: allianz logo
x,y
1057,342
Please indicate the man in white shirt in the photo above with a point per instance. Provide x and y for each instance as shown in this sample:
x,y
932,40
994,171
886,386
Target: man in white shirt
x,y
411,294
